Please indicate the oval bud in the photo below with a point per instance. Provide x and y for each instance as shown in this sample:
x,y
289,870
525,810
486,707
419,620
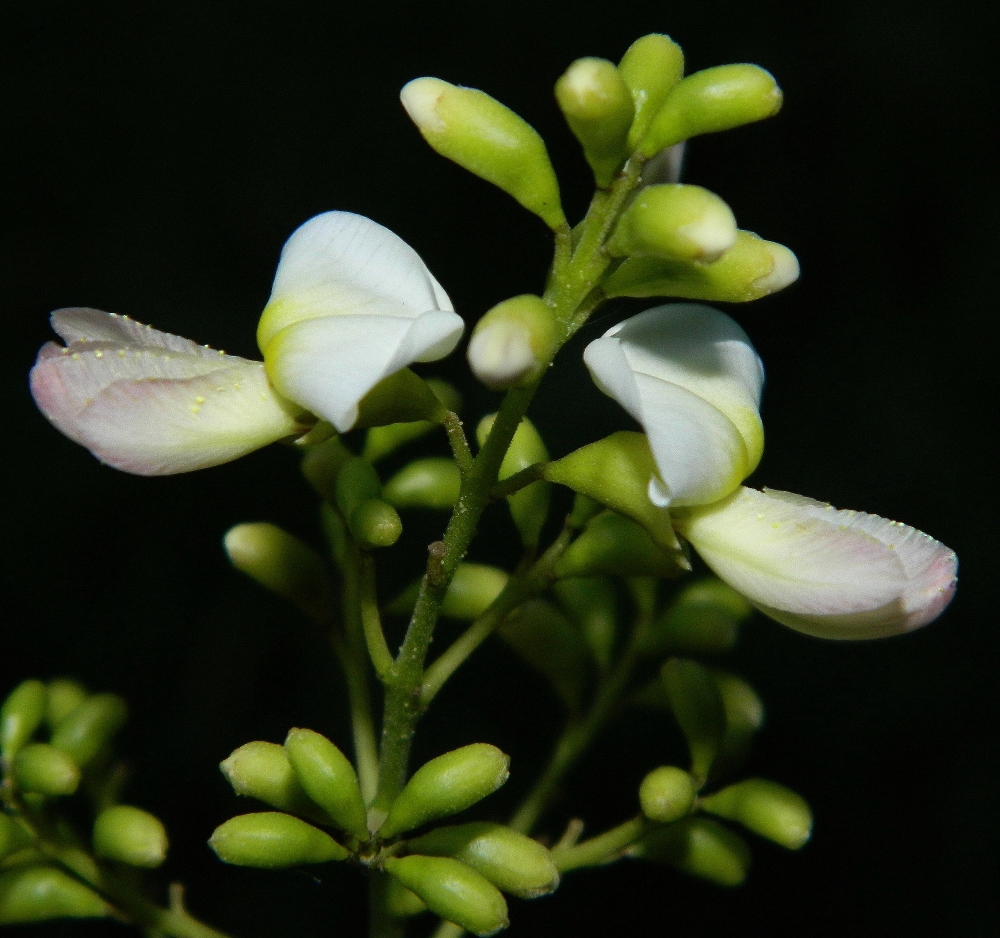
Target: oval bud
x,y
667,794
701,847
513,862
373,522
597,105
383,440
40,893
614,545
744,716
89,728
445,786
321,466
766,808
513,343
433,482
14,836
270,840
675,223
45,770
329,779
264,771
21,714
711,100
651,66
697,706
704,618
64,696
453,891
130,835
473,589
281,563
401,902
489,140
592,605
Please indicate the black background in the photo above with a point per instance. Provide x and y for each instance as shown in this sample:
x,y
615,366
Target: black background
x,y
156,155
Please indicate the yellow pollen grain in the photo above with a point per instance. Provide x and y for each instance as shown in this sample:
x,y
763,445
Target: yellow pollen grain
x,y
98,354
199,400
121,353
76,356
195,409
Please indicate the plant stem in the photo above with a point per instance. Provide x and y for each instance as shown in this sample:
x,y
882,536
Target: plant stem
x,y
604,848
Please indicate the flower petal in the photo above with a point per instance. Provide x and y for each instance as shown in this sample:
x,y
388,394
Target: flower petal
x,y
79,324
829,573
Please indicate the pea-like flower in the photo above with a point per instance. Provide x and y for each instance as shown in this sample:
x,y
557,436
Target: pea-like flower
x,y
352,304
689,375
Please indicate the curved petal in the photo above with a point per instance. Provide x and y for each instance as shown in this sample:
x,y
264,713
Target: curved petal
x,y
829,573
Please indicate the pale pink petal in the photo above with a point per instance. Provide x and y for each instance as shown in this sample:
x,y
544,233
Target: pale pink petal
x,y
78,324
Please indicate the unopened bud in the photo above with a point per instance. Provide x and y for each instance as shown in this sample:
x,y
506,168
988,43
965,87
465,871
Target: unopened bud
x,y
592,604
44,770
614,545
766,808
513,862
453,891
130,835
433,482
700,847
14,836
403,397
513,343
85,731
321,465
329,779
64,696
667,794
21,714
744,716
373,522
698,709
40,893
675,223
488,139
597,105
445,786
381,441
704,618
263,771
401,902
473,590
270,840
650,67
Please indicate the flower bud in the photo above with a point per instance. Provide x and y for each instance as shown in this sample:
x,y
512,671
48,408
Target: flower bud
x,y
321,465
64,696
401,902
403,397
445,786
766,808
704,618
130,835
381,441
45,770
329,779
667,794
744,716
675,223
14,836
487,139
21,714
263,771
697,706
425,483
592,605
597,105
281,563
614,545
513,343
712,100
700,847
373,522
651,66
40,893
452,891
473,590
84,732
513,862
270,840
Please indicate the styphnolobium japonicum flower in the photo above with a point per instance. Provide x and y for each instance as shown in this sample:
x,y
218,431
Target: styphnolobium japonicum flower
x,y
596,598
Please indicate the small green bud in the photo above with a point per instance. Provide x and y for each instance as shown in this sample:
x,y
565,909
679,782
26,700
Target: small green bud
x,y
321,466
711,100
14,836
667,794
766,808
704,618
650,68
597,105
473,590
64,696
514,863
380,441
453,891
45,770
487,139
281,563
744,716
592,605
373,522
401,902
40,893
329,779
701,847
403,397
513,343
614,545
675,223
263,771
425,483
85,731
445,786
698,708
21,714
130,835
270,840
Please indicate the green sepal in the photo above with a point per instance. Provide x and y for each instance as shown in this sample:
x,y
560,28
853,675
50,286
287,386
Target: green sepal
x,y
403,397
698,709
667,794
433,482
85,731
592,605
381,441
41,893
614,545
701,847
766,808
21,714
271,840
650,68
704,618
130,835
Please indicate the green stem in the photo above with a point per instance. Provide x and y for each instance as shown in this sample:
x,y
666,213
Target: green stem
x,y
604,848
456,438
371,623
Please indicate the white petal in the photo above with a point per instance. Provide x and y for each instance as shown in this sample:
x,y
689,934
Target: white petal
x,y
79,324
830,573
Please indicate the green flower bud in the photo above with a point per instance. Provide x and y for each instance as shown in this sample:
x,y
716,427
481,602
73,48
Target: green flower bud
x,y
401,902
373,522
597,105
88,729
21,714
700,847
616,546
675,223
514,863
703,619
445,786
64,696
487,139
712,100
40,893
264,771
380,441
592,605
425,483
513,343
530,506
329,779
650,68
744,716
453,891
403,397
697,706
321,465
130,835
281,563
766,808
45,770
14,836
667,794
750,269
473,590
271,840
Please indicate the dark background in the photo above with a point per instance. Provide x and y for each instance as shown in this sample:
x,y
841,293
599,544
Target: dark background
x,y
156,156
